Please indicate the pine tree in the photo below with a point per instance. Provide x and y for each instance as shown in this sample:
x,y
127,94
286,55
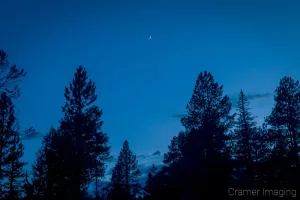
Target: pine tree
x,y
205,153
207,104
285,116
83,148
116,186
150,182
249,144
9,76
245,131
14,169
27,187
124,180
7,120
44,175
284,122
11,150
39,174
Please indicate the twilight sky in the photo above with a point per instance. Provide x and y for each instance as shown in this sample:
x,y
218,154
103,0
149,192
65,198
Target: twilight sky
x,y
141,83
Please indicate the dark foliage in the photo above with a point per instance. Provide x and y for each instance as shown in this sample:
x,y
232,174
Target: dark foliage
x,y
9,76
124,181
11,151
214,155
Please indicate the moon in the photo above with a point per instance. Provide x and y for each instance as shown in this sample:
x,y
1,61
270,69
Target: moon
x,y
150,37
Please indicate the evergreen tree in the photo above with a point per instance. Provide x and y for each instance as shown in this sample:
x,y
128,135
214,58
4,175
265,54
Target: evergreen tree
x,y
9,76
39,174
150,182
205,156
116,186
284,123
245,131
14,169
83,146
27,187
7,120
11,150
207,104
285,116
249,147
124,180
44,175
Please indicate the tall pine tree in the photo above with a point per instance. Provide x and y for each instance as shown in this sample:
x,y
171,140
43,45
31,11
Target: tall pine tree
x,y
207,105
150,183
245,131
285,116
14,169
44,174
124,181
11,150
247,139
83,146
205,154
284,123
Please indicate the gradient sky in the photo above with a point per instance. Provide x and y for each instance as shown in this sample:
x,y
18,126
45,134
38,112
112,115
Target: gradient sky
x,y
141,83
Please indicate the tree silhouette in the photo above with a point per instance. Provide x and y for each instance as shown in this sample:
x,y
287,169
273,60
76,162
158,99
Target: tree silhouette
x,y
150,183
210,155
284,122
9,76
44,174
14,170
245,130
11,150
124,180
285,115
199,157
82,146
7,120
207,104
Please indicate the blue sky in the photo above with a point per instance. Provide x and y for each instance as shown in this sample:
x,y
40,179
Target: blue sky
x,y
141,83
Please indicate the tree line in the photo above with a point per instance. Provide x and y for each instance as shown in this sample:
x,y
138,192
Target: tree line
x,y
221,152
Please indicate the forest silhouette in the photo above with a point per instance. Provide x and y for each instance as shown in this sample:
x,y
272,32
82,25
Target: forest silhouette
x,y
218,154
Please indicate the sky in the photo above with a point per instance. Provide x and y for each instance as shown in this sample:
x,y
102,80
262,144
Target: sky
x,y
141,83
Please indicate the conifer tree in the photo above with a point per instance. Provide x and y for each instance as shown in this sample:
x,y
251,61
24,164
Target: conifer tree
x,y
207,104
44,175
208,124
150,182
245,131
7,120
285,116
249,148
14,169
83,145
284,123
11,150
205,153
27,187
124,180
